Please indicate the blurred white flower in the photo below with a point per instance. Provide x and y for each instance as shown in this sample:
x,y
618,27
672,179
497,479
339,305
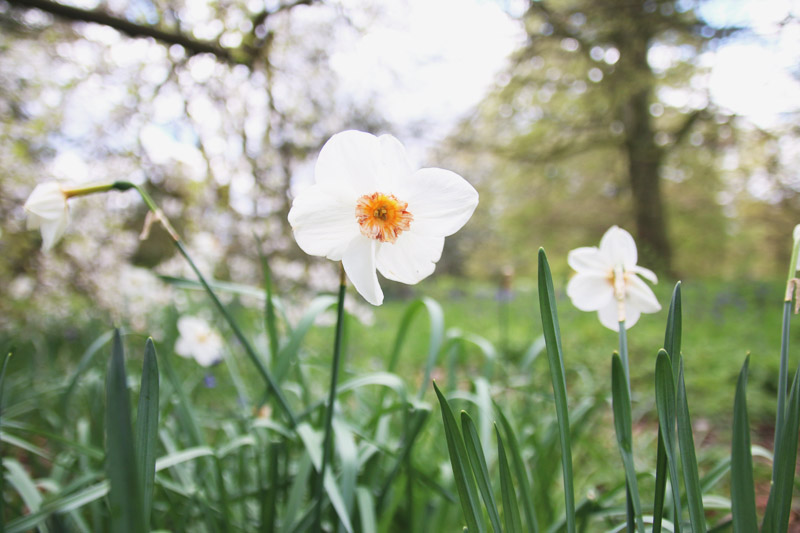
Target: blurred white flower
x,y
607,280
47,211
199,340
371,210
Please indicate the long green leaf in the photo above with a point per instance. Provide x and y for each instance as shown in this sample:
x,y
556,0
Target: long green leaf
x,y
665,404
125,497
478,462
552,335
521,473
2,469
672,345
780,415
786,459
289,353
465,483
147,427
512,518
743,498
691,478
623,425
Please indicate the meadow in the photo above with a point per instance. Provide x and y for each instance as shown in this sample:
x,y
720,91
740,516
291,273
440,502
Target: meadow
x,y
227,460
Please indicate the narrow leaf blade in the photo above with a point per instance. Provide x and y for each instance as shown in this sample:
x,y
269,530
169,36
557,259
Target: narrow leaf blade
x,y
478,461
147,427
691,478
125,497
743,498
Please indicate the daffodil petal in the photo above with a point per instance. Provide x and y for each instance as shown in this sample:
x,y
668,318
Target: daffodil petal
x,y
632,315
441,201
323,220
396,166
359,265
640,296
411,258
47,201
619,247
590,292
587,259
350,159
646,273
609,316
53,230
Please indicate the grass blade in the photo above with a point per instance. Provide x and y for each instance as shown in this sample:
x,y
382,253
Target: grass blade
x,y
672,345
513,521
465,483
691,479
478,462
665,404
743,498
147,427
521,473
125,496
552,335
622,424
786,459
2,469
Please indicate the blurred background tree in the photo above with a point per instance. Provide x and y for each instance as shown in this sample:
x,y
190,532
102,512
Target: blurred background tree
x,y
602,116
605,117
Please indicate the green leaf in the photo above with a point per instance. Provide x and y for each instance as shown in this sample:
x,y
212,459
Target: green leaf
x,y
743,499
270,319
513,521
520,472
478,462
672,345
665,405
2,469
86,360
147,427
691,479
623,425
125,497
366,509
465,483
552,335
786,459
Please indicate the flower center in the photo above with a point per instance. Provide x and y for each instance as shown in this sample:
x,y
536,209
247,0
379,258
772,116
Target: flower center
x,y
382,216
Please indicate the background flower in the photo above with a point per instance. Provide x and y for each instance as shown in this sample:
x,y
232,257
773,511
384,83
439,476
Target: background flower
x,y
607,280
371,210
198,340
47,211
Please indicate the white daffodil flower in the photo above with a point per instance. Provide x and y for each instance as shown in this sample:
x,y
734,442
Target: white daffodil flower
x,y
199,340
607,280
47,210
371,210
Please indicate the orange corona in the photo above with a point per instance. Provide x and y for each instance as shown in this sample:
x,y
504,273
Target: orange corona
x,y
382,216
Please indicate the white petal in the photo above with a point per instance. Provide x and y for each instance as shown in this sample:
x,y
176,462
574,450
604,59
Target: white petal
x,y
639,296
47,201
411,258
396,166
359,264
632,315
590,292
183,347
324,220
440,201
53,230
609,316
350,159
646,273
619,247
588,259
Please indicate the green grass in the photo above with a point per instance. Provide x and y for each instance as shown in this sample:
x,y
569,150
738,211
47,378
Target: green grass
x,y
222,466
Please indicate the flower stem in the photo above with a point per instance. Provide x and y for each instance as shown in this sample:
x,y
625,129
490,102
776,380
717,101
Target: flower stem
x,y
237,331
326,443
623,355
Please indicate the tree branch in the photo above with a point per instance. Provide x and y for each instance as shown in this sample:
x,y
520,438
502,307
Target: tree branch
x,y
192,46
